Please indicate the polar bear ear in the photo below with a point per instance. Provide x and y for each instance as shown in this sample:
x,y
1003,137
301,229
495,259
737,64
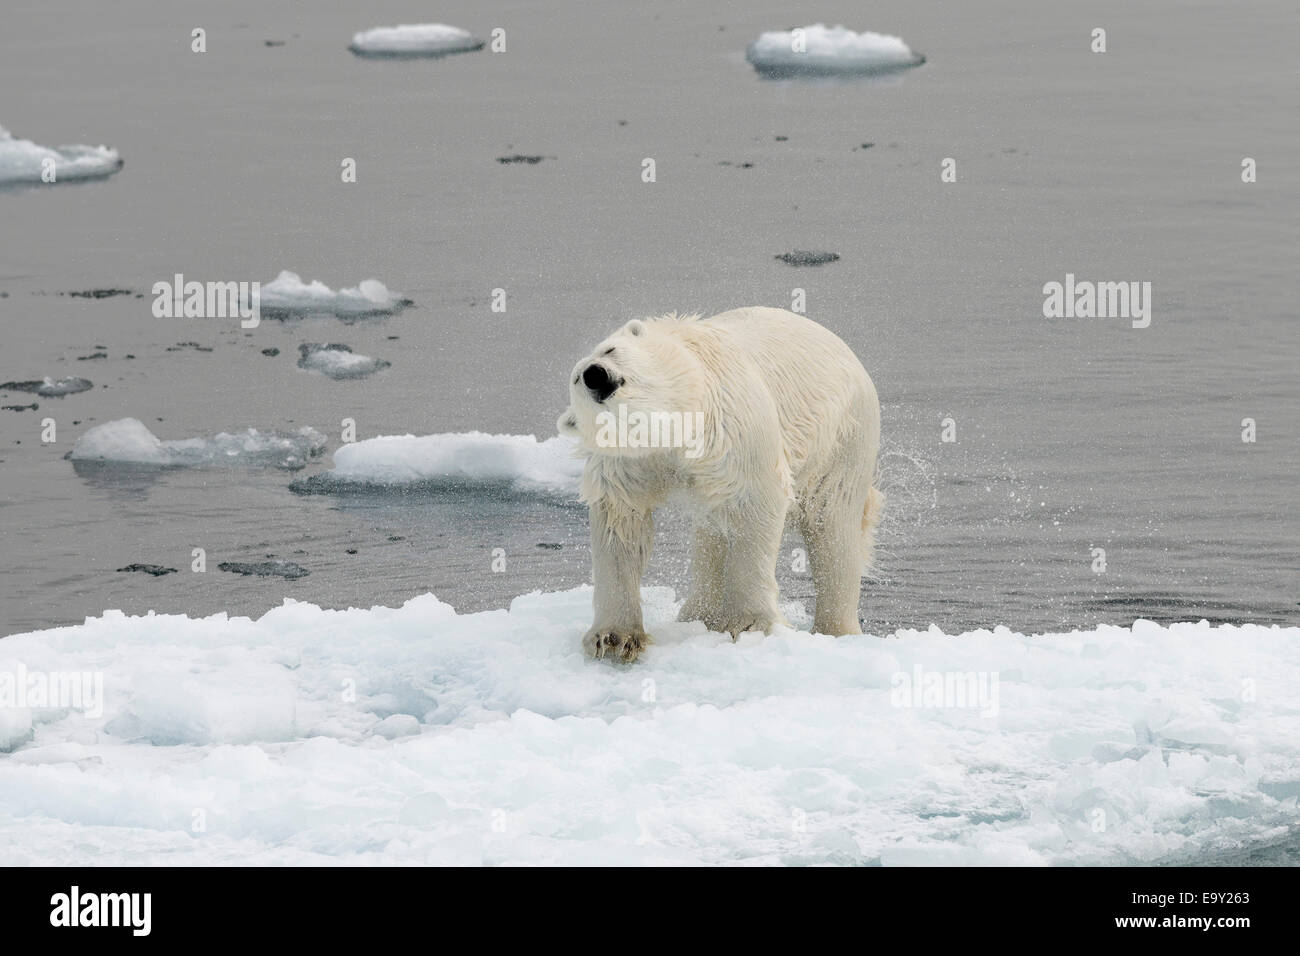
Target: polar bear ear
x,y
568,423
635,327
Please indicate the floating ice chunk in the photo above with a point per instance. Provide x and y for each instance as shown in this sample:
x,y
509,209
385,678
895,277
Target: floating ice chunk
x,y
128,441
868,743
287,295
124,440
50,388
337,361
518,464
423,39
22,161
821,51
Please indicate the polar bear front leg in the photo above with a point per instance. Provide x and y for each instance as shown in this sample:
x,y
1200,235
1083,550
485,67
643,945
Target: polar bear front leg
x,y
620,548
708,558
749,594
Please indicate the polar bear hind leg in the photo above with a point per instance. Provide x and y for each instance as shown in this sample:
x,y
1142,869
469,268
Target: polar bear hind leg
x,y
838,522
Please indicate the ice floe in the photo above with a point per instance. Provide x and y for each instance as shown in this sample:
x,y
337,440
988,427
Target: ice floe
x,y
517,464
287,295
337,361
24,162
49,387
414,40
129,441
819,50
488,738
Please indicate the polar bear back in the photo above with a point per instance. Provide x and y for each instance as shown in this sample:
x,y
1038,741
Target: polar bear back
x,y
823,395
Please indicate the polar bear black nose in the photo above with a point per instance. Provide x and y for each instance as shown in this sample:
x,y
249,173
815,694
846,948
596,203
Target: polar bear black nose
x,y
599,381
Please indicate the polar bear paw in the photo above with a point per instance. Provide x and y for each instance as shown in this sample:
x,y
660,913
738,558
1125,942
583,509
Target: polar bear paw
x,y
619,643
737,624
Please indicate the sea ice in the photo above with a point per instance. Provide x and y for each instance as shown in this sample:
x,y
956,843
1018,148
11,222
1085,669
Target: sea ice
x,y
423,39
419,735
337,361
50,388
287,295
129,441
829,51
24,162
518,464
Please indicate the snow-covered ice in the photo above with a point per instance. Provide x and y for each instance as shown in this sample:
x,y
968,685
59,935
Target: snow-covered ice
x,y
23,162
421,39
829,51
337,361
49,387
517,464
419,735
129,441
287,295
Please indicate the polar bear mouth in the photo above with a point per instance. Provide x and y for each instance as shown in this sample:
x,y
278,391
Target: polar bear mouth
x,y
600,381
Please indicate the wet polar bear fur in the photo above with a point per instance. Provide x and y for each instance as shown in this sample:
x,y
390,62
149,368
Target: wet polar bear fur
x,y
791,427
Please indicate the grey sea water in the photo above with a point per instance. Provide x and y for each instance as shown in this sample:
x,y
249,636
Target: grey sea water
x,y
1071,434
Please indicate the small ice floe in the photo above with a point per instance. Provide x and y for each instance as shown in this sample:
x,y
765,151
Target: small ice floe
x,y
49,387
23,162
806,257
466,461
337,361
819,50
265,569
414,40
287,295
128,441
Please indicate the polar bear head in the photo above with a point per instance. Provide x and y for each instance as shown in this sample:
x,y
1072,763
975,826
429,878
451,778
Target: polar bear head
x,y
638,392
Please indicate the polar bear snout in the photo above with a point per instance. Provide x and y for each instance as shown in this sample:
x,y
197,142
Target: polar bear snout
x,y
600,381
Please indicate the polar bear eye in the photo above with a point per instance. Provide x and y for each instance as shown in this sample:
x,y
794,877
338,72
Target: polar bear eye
x,y
608,351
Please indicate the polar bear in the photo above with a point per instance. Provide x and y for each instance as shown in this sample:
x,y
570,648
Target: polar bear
x,y
748,416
